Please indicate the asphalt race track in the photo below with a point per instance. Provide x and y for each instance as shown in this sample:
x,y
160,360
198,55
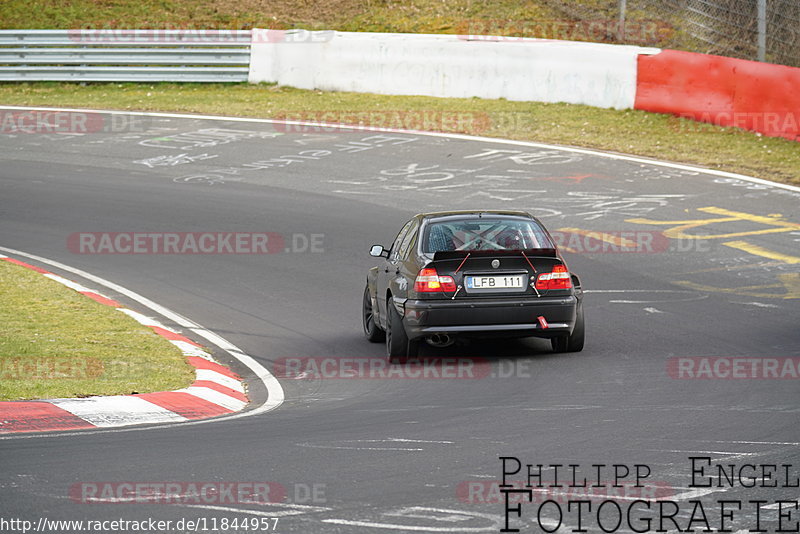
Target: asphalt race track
x,y
371,454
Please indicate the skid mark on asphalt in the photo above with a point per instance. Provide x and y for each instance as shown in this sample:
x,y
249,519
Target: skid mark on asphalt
x,y
744,442
776,506
723,453
456,520
687,299
370,444
665,296
276,509
741,267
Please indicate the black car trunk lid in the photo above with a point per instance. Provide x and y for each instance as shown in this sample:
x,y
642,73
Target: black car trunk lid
x,y
493,273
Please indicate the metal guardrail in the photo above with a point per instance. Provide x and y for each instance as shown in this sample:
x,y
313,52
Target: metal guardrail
x,y
125,55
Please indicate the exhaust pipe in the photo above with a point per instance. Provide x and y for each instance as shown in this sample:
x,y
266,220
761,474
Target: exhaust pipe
x,y
440,340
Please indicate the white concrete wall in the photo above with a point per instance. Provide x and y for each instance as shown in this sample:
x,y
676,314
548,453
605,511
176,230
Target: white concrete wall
x,y
448,66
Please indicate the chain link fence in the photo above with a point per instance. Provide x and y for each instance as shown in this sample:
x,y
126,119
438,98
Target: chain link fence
x,y
766,30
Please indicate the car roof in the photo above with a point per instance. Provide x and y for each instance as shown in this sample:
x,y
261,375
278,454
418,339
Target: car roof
x,y
473,213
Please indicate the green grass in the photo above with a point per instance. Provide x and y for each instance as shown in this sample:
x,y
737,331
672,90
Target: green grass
x,y
549,19
629,131
55,342
421,16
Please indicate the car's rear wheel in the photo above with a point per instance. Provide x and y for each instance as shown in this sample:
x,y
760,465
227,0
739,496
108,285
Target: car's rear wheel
x,y
398,347
371,329
574,341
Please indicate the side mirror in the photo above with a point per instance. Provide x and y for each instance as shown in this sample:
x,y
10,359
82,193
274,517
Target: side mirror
x,y
377,251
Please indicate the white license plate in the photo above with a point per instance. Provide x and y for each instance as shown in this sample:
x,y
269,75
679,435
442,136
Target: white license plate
x,y
496,282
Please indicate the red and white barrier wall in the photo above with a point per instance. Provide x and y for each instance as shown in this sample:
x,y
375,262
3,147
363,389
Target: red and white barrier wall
x,y
729,92
762,97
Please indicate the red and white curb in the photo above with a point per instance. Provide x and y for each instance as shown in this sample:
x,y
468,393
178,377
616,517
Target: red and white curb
x,y
216,390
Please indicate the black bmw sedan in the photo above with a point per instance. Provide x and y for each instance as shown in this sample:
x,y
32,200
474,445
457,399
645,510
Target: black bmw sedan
x,y
471,274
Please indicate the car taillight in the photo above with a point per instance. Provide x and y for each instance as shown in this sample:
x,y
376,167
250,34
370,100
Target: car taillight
x,y
429,281
558,278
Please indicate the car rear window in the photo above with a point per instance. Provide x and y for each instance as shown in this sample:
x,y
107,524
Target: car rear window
x,y
484,234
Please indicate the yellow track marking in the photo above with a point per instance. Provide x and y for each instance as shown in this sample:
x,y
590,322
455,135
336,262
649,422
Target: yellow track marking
x,y
679,228
760,251
790,282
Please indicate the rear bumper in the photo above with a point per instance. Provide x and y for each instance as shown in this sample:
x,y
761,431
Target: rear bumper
x,y
490,317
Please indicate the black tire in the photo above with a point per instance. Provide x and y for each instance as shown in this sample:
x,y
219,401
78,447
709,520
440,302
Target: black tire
x,y
398,347
573,342
371,329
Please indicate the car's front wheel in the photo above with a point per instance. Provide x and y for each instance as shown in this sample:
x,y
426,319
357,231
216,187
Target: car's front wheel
x,y
371,329
398,347
574,341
